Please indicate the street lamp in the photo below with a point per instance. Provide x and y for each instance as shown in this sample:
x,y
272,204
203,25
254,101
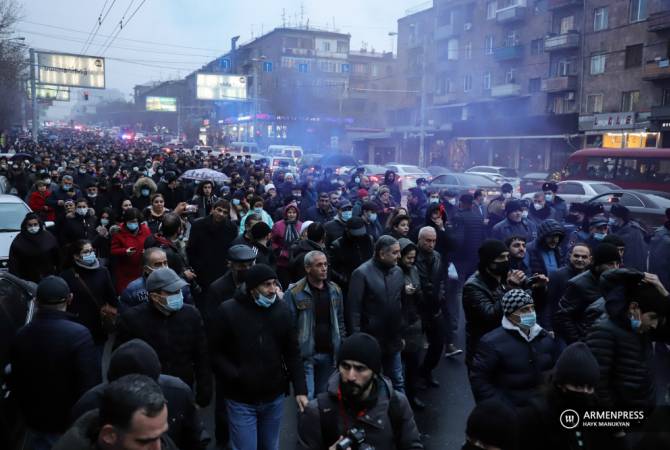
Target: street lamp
x,y
422,107
256,67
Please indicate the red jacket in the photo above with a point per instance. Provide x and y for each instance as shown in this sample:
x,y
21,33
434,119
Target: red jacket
x,y
38,203
128,267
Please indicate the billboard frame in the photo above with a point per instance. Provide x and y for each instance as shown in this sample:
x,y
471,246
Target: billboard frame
x,y
38,68
237,99
50,87
146,104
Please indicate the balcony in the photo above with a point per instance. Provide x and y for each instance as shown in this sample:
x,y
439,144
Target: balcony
x,y
561,41
506,90
656,70
511,14
557,4
508,53
560,84
443,32
443,99
660,112
659,21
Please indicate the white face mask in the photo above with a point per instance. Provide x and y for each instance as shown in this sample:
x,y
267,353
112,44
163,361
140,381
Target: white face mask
x,y
524,214
34,229
507,195
538,206
82,211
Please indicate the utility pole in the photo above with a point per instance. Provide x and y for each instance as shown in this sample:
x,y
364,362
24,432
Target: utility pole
x,y
255,112
33,93
422,112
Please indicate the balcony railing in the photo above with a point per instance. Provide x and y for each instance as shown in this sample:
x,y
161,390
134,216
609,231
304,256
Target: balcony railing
x,y
443,32
511,14
561,41
508,53
656,70
559,84
556,4
506,90
442,99
659,21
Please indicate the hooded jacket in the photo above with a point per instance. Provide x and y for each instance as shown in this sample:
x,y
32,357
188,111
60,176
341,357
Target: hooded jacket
x,y
537,251
207,248
571,320
635,256
128,266
34,256
279,232
140,201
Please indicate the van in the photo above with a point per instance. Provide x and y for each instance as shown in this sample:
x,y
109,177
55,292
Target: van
x,y
243,147
286,151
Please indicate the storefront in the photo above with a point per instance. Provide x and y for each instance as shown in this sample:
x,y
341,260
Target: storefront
x,y
660,122
618,130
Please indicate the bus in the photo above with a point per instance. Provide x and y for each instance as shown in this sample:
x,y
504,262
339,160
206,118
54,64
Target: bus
x,y
630,168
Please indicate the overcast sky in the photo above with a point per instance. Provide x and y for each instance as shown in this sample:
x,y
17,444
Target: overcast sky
x,y
170,38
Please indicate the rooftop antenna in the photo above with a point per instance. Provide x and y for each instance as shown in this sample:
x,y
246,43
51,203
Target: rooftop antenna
x,y
302,14
307,25
252,31
283,17
334,24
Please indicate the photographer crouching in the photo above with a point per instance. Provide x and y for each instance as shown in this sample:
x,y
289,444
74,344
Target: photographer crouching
x,y
360,409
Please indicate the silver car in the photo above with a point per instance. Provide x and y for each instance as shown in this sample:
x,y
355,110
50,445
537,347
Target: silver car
x,y
12,212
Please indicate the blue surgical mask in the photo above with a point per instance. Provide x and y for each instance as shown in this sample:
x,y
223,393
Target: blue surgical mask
x,y
549,197
82,211
423,187
635,324
258,210
264,301
611,221
132,226
145,192
89,259
372,217
347,215
236,201
67,187
175,302
599,236
528,319
104,222
357,180
434,200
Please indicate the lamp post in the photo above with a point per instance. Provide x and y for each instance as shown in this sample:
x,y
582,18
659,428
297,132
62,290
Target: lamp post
x,y
423,100
257,73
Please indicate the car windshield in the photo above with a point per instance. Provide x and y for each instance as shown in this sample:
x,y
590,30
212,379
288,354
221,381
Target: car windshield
x,y
507,172
601,188
11,216
374,169
473,179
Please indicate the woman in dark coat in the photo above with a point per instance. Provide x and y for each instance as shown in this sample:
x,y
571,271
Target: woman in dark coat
x,y
204,199
391,182
91,287
34,253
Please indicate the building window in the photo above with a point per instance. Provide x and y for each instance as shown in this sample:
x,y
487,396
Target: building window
x,y
491,8
510,75
567,24
629,100
536,46
467,50
467,83
638,10
633,56
534,84
600,19
342,47
594,103
326,46
486,81
452,49
598,64
488,45
665,101
512,38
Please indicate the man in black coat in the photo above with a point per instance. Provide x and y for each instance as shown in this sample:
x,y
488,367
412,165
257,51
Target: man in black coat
x,y
255,355
209,240
323,211
471,233
349,252
175,330
621,225
54,361
336,228
579,260
137,357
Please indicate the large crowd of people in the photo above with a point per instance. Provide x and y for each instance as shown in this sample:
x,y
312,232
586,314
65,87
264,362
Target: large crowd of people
x,y
344,291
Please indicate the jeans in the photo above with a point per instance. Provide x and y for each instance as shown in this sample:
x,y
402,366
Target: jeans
x,y
255,427
318,369
36,440
392,367
451,309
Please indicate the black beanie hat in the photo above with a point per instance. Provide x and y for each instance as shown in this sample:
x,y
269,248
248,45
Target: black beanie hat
x,y
577,366
605,253
134,357
620,211
363,348
493,423
513,205
260,230
257,275
490,250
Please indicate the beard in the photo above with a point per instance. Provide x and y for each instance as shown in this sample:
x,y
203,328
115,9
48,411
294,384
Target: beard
x,y
353,391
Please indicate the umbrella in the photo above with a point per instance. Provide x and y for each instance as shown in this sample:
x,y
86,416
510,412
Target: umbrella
x,y
205,175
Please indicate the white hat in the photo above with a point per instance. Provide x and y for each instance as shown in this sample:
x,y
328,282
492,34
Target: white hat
x,y
305,225
269,186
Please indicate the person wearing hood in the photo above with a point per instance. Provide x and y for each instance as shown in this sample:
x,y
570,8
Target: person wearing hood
x,y
483,291
174,329
173,192
126,248
637,308
515,224
632,234
312,237
574,316
417,202
255,355
65,191
209,240
336,227
543,255
260,243
34,252
204,199
540,210
186,427
496,208
38,201
349,252
143,189
284,235
256,208
510,361
492,424
659,251
391,182
133,414
94,301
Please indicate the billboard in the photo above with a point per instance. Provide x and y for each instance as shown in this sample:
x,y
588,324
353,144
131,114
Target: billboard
x,y
162,104
49,92
63,69
210,86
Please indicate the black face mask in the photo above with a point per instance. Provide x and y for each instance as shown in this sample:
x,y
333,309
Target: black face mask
x,y
579,401
499,268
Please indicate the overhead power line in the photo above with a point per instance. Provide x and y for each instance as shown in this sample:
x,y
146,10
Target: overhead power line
x,y
101,20
122,24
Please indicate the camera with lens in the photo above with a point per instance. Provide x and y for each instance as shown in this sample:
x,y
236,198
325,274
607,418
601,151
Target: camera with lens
x,y
354,440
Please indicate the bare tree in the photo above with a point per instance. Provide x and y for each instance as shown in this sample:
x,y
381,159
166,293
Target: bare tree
x,y
14,69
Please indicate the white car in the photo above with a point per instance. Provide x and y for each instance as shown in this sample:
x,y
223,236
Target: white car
x,y
407,175
500,175
576,191
12,212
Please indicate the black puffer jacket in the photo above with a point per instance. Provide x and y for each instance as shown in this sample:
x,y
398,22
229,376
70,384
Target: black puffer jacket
x,y
483,311
208,246
538,246
509,368
432,273
570,320
635,256
373,304
347,254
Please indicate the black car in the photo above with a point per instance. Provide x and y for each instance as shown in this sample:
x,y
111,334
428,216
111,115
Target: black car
x,y
646,207
465,183
532,182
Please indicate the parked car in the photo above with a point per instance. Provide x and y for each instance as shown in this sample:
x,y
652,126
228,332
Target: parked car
x,y
577,191
335,160
373,171
498,174
438,170
407,175
12,212
647,207
465,183
533,181
310,159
